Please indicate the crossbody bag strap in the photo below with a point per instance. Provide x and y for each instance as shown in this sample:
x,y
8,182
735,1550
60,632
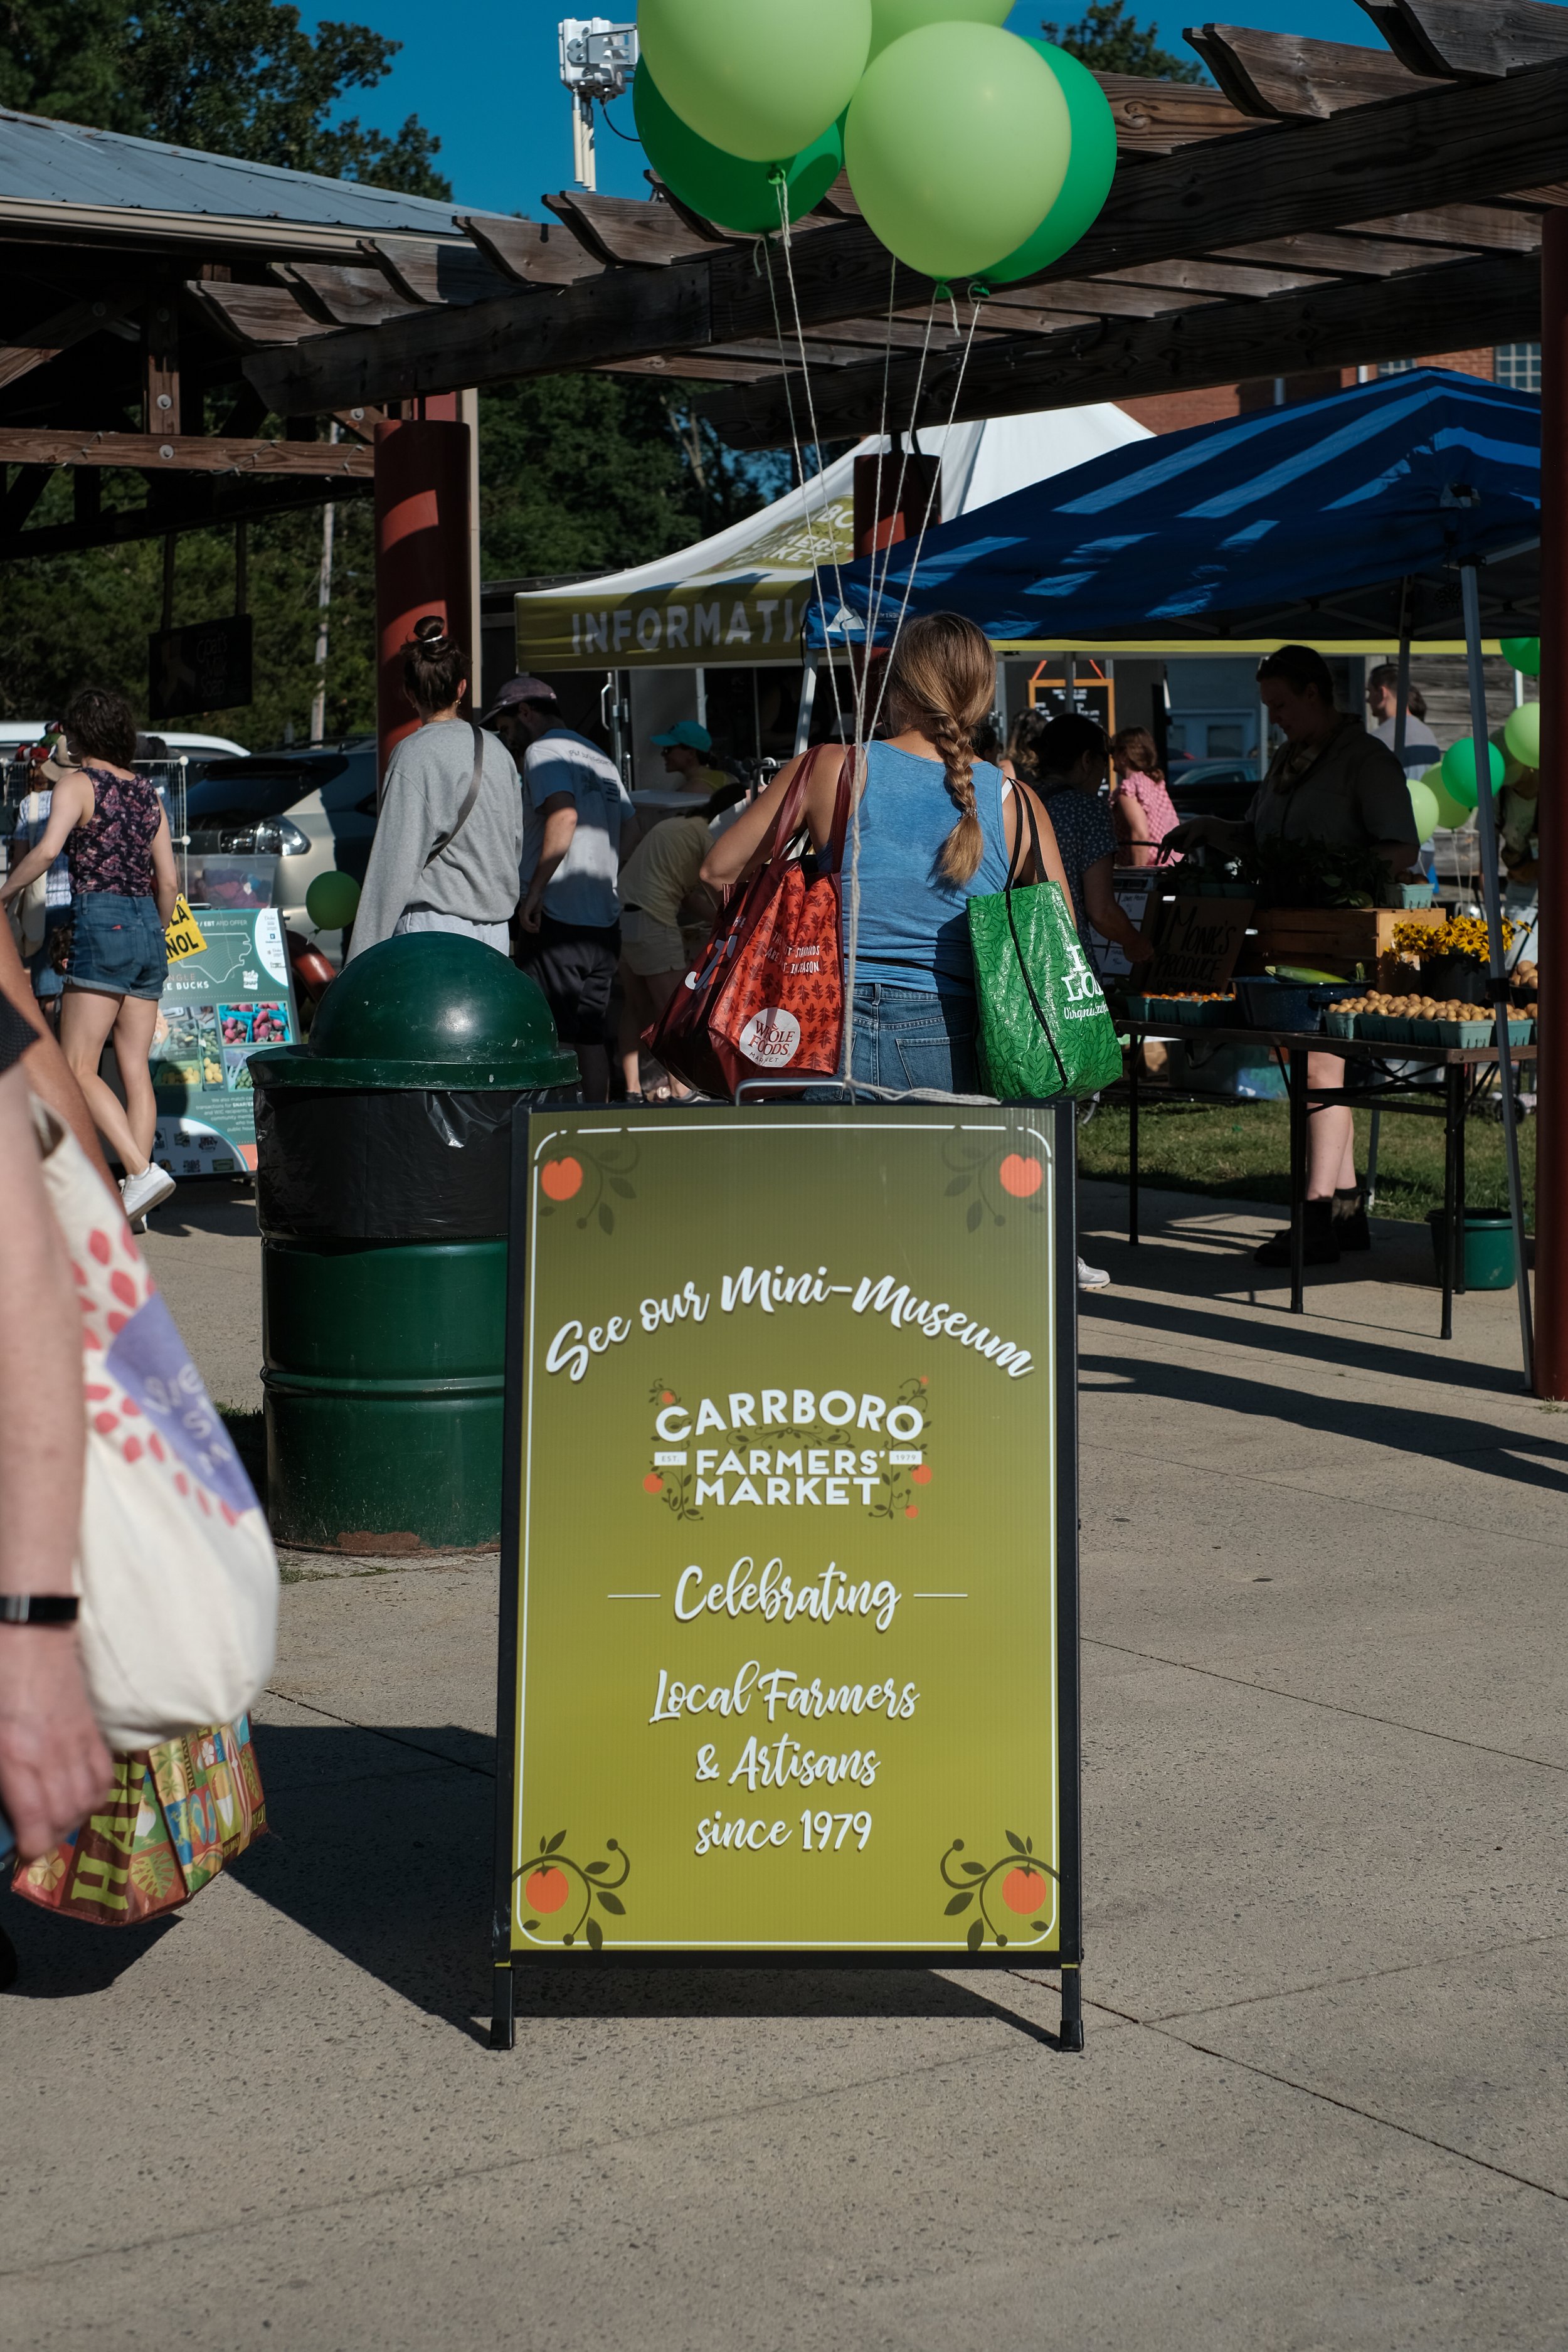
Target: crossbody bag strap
x,y
469,798
1026,817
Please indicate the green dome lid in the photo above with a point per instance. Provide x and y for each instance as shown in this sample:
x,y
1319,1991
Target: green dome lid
x,y
428,1009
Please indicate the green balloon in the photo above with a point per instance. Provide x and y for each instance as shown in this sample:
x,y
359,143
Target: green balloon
x,y
1091,166
758,78
1460,770
1451,813
891,19
1523,734
1524,653
1424,808
726,188
957,145
333,900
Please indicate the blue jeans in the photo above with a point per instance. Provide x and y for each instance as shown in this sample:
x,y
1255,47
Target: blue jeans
x,y
910,1037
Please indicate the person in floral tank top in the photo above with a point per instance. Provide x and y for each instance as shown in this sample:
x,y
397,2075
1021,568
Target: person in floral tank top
x,y
111,824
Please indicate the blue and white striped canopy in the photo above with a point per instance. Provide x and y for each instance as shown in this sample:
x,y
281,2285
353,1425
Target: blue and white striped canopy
x,y
1305,520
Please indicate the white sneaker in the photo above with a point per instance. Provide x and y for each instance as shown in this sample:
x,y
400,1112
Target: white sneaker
x,y
1092,1277
142,1192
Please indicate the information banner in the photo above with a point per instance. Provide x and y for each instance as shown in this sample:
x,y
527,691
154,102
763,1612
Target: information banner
x,y
229,990
789,1626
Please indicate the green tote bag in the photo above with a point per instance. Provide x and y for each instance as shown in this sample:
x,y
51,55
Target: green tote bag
x,y
1044,1026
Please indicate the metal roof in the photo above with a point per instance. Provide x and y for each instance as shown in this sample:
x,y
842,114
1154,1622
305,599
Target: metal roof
x,y
44,163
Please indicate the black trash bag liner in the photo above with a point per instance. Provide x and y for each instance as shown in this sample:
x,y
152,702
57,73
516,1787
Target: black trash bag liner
x,y
405,1165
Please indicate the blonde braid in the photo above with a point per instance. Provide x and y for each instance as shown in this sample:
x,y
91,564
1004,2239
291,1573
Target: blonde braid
x,y
965,845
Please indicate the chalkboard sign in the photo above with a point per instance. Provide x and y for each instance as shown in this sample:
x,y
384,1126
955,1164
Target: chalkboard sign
x,y
789,1575
1197,943
205,666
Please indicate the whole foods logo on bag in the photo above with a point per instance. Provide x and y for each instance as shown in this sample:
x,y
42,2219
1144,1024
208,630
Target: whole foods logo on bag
x,y
771,1038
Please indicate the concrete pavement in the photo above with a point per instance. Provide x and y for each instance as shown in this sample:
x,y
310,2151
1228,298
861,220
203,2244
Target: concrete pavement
x,y
1322,2101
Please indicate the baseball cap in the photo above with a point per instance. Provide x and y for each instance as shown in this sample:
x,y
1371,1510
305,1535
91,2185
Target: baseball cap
x,y
687,731
515,690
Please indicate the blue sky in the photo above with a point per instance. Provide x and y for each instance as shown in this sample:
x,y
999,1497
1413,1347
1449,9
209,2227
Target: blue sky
x,y
484,76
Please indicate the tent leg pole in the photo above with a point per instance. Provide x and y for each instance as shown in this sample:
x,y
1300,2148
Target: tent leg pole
x,y
807,696
1486,825
1551,1096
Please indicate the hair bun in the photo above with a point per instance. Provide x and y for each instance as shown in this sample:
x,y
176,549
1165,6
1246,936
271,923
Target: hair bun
x,y
430,634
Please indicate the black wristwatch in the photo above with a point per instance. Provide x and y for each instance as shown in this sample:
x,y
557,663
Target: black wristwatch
x,y
38,1607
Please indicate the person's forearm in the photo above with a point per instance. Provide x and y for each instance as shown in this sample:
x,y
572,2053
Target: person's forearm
x,y
559,828
26,869
41,1424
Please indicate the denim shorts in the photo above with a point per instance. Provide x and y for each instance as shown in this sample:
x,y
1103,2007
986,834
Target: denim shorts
x,y
117,945
910,1037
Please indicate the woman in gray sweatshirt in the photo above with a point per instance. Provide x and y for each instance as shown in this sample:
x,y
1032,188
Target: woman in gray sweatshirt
x,y
442,860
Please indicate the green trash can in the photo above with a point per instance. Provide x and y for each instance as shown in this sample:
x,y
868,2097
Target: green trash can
x,y
382,1168
1488,1253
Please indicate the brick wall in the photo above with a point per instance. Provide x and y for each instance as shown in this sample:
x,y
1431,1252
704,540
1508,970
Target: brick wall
x,y
1173,411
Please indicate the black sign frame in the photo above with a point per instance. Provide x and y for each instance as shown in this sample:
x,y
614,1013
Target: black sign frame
x,y
1068,1956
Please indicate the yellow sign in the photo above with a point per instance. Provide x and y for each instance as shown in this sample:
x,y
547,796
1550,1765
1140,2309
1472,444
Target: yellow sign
x,y
183,935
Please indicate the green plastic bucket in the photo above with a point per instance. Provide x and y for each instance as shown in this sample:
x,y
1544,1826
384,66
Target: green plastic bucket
x,y
1489,1247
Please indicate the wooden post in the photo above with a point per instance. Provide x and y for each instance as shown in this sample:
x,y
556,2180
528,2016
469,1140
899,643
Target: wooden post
x,y
161,365
422,554
1552,1122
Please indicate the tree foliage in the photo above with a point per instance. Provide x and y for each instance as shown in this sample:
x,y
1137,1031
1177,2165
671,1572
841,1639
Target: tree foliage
x,y
231,77
1107,38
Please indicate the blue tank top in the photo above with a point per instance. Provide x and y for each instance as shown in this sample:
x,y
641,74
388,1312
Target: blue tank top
x,y
914,931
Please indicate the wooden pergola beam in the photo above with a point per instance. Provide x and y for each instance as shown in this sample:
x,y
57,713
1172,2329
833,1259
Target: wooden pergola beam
x,y
36,346
1405,154
204,503
1335,325
1469,37
186,452
1285,76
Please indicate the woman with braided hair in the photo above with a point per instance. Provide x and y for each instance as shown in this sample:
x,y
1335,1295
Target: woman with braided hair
x,y
937,826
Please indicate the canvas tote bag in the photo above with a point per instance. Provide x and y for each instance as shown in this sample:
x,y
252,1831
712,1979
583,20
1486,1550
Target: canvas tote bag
x,y
766,998
176,1571
1043,1027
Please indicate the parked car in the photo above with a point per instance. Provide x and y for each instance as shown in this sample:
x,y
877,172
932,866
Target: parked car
x,y
21,734
314,811
1223,788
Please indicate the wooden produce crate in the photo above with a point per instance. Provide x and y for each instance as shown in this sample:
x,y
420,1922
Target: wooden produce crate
x,y
1337,938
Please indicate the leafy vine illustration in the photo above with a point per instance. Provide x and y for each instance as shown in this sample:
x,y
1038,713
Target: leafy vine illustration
x,y
999,1177
1023,1890
548,1889
580,1178
673,1487
898,1503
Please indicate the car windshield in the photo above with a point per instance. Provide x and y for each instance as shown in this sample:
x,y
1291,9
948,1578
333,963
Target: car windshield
x,y
249,791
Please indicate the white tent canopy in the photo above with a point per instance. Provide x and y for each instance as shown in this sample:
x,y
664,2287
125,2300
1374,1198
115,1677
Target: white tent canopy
x,y
740,598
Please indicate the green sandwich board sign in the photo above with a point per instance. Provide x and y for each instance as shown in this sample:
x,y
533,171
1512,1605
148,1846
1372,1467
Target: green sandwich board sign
x,y
788,1658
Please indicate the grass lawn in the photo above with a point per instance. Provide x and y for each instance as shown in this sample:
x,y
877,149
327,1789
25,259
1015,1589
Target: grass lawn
x,y
1243,1151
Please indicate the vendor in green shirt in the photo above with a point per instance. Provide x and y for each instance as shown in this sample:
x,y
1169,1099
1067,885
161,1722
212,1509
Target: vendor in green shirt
x,y
1332,784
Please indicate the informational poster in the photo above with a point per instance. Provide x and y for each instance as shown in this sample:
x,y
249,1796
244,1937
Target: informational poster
x,y
789,1569
228,992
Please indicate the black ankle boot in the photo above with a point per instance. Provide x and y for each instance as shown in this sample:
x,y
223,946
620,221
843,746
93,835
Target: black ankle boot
x,y
1321,1240
1351,1228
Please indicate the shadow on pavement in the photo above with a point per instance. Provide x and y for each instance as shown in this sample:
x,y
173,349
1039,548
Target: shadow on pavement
x,y
61,1959
1327,1343
207,1204
388,1860
1428,1435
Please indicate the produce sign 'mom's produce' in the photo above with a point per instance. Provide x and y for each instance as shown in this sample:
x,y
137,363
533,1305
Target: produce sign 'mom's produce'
x,y
789,1609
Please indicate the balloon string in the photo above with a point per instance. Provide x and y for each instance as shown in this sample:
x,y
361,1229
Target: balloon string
x,y
813,537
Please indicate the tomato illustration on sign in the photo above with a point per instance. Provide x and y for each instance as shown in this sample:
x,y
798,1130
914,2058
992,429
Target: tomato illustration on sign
x,y
551,1879
1021,1177
1024,1888
560,1179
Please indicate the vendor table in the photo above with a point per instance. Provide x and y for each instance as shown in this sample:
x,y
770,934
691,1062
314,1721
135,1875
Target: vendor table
x,y
1399,1093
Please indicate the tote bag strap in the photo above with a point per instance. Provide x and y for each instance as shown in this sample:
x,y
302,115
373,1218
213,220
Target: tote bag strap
x,y
469,799
1027,816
